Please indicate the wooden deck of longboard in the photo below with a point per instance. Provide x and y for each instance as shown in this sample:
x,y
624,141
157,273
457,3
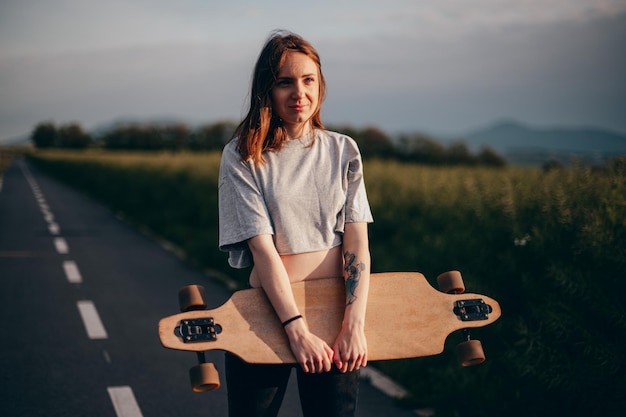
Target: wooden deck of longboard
x,y
406,317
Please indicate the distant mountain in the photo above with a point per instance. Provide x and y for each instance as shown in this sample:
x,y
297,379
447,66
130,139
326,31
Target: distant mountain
x,y
16,141
524,144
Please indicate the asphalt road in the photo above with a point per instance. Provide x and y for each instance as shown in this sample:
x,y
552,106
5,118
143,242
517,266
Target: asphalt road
x,y
81,293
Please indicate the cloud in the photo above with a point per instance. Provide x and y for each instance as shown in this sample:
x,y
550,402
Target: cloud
x,y
569,73
62,25
444,65
190,81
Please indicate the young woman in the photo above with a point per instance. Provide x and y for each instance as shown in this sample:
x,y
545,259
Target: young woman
x,y
292,204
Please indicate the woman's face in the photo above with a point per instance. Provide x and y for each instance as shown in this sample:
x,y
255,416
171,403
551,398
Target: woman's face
x,y
295,95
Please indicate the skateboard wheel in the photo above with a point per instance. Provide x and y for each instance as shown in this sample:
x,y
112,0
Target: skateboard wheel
x,y
470,353
191,297
451,282
204,377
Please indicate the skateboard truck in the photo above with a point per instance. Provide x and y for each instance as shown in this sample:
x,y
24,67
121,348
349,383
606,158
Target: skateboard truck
x,y
198,330
203,376
471,310
470,351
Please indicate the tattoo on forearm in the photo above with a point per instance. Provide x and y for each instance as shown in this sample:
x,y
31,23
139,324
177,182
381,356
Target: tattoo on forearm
x,y
353,270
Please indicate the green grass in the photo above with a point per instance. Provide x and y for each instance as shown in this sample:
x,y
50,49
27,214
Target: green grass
x,y
549,246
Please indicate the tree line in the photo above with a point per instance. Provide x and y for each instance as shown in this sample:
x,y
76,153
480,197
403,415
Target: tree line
x,y
134,136
373,142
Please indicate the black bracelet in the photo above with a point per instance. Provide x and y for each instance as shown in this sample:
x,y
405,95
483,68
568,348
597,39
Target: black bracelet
x,y
294,318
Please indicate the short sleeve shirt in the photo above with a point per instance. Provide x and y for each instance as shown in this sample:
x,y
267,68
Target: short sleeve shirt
x,y
303,195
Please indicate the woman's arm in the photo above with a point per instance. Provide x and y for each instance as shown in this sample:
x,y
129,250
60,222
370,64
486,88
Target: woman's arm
x,y
350,347
311,352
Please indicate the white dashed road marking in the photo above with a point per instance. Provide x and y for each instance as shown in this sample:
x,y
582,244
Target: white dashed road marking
x,y
48,217
72,273
122,397
53,228
124,402
61,245
91,320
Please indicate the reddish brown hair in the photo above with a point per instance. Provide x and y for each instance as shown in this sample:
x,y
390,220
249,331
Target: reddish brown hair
x,y
261,130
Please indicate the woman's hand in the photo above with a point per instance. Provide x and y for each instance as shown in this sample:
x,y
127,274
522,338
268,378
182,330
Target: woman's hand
x,y
350,349
311,352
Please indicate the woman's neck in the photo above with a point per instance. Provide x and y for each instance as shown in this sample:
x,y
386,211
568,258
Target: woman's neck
x,y
297,131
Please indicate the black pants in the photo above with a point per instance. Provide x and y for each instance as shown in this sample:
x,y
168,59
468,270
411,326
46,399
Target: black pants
x,y
258,390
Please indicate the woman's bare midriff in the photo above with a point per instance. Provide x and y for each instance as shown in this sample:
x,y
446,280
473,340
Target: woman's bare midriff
x,y
310,265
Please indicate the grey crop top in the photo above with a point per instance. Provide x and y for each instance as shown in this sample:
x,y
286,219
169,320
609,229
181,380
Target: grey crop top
x,y
303,195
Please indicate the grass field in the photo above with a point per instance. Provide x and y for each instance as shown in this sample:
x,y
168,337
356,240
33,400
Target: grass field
x,y
550,246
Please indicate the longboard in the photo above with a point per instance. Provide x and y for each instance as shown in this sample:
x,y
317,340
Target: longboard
x,y
406,317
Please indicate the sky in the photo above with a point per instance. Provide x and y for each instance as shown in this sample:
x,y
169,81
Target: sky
x,y
442,67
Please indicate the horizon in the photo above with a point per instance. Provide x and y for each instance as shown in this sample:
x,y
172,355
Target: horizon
x,y
463,137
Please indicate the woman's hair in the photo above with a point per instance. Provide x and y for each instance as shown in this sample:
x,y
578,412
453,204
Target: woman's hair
x,y
261,129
